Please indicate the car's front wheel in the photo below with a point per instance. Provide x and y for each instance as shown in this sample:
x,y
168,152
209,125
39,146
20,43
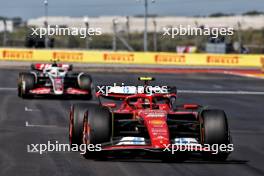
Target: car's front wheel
x,y
215,131
97,128
89,124
26,82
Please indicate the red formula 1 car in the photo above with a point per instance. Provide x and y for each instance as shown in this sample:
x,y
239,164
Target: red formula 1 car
x,y
54,79
150,122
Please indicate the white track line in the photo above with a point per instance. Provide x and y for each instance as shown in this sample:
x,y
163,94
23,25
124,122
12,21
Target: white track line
x,y
7,88
30,110
32,125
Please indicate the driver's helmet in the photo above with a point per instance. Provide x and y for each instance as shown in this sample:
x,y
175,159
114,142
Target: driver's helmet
x,y
142,103
146,101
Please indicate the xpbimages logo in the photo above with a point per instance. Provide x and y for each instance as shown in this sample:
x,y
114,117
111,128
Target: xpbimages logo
x,y
197,31
59,147
124,89
188,147
63,31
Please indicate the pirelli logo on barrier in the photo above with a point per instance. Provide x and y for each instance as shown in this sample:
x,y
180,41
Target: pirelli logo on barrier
x,y
17,55
114,57
152,58
262,64
226,60
170,58
67,56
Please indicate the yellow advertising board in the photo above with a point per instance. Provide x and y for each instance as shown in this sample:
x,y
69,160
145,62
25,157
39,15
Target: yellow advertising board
x,y
137,58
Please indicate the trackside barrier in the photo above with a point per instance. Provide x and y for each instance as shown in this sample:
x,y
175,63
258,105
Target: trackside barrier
x,y
262,62
136,58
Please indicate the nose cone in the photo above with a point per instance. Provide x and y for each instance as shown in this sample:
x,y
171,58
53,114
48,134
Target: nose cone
x,y
158,131
58,86
58,92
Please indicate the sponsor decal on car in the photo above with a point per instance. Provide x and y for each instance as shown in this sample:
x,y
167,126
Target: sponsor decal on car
x,y
132,141
183,141
157,122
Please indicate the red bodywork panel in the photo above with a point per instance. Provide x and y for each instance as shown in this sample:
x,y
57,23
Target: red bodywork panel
x,y
156,123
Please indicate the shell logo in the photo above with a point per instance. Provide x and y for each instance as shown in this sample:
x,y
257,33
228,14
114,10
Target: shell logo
x,y
157,122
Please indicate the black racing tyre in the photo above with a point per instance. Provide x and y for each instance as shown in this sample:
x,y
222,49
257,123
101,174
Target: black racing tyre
x,y
215,131
19,83
85,81
76,123
71,79
97,127
80,80
26,82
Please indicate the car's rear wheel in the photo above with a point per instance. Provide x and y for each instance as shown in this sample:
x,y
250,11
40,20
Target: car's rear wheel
x,y
215,131
26,82
85,83
81,81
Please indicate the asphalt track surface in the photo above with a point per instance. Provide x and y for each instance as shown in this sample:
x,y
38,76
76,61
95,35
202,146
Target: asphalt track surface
x,y
24,122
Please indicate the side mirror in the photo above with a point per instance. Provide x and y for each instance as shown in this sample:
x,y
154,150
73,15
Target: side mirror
x,y
70,67
110,105
173,102
32,66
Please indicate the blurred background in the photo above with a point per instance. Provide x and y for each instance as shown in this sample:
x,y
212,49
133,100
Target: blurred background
x,y
135,25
